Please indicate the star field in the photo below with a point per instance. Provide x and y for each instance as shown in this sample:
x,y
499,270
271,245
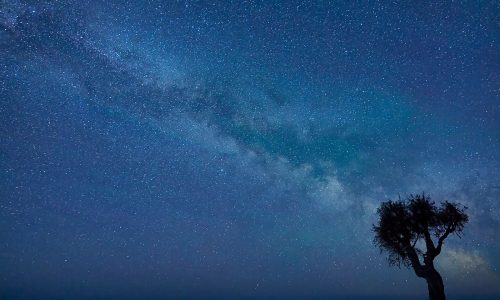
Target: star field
x,y
240,149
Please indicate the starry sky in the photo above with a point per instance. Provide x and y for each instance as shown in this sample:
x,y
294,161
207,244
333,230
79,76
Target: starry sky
x,y
240,149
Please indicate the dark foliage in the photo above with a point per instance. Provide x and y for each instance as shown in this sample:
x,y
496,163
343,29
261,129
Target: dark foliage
x,y
402,224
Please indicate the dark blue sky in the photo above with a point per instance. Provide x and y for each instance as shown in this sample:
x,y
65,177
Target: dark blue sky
x,y
154,149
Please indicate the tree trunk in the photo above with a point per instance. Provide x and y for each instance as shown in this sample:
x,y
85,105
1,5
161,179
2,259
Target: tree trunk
x,y
435,285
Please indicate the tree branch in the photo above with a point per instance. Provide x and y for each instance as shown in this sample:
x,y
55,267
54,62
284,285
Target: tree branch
x,y
415,262
416,240
429,244
449,230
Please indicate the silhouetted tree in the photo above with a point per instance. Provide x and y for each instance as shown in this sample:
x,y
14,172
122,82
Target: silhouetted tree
x,y
402,224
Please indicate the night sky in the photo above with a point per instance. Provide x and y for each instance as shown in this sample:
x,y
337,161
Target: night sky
x,y
187,150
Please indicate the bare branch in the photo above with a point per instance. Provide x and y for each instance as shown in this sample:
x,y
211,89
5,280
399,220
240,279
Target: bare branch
x,y
416,240
415,262
429,244
449,230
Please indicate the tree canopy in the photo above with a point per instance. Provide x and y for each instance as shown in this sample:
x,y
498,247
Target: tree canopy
x,y
402,224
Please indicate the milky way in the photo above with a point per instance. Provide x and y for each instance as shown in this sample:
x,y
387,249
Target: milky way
x,y
169,149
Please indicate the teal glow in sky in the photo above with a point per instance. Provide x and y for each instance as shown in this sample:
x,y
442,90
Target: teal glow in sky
x,y
170,149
